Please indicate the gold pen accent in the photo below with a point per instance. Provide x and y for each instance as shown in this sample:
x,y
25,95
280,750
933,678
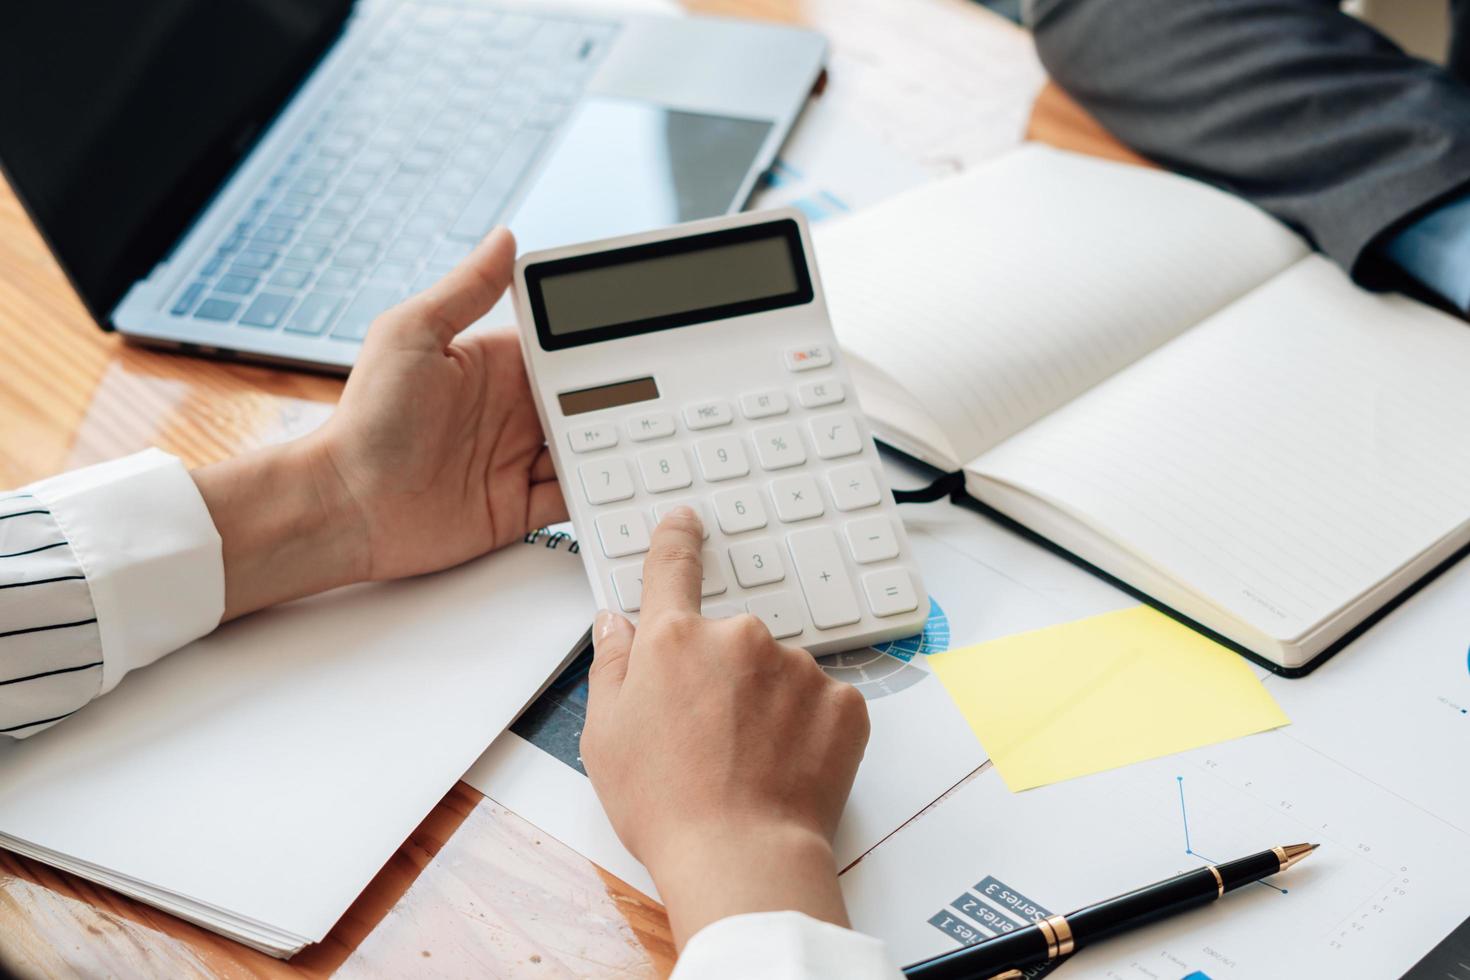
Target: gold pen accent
x,y
1050,935
1292,853
1009,975
1063,930
1220,882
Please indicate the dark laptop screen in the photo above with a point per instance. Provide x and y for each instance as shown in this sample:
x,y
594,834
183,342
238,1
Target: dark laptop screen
x,y
118,120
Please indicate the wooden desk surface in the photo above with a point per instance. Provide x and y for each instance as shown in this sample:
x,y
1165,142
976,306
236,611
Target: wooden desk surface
x,y
475,890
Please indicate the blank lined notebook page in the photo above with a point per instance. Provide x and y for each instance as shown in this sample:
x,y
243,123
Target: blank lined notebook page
x,y
995,297
1281,459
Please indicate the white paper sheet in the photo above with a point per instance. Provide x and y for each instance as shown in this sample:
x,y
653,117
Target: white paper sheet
x,y
265,773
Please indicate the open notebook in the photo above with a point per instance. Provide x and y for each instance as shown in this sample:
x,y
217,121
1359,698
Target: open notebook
x,y
1167,384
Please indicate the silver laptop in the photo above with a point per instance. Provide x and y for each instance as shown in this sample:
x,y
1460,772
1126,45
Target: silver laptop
x,y
261,178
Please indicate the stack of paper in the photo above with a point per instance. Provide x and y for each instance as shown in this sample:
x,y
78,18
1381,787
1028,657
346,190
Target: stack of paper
x,y
256,781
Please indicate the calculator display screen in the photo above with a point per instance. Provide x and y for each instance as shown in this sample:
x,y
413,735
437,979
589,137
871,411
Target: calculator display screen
x,y
607,396
662,285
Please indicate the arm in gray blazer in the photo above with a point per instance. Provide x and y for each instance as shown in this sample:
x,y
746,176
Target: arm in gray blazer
x,y
1292,104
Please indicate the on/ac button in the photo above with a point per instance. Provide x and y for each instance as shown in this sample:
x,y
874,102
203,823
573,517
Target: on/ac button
x,y
808,358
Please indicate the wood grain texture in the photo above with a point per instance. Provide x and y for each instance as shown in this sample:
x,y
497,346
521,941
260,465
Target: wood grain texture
x,y
475,890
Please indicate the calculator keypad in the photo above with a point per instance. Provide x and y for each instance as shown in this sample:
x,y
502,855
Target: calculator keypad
x,y
762,489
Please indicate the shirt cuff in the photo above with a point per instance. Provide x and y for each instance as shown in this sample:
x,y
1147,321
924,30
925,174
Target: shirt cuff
x,y
1436,251
150,553
782,946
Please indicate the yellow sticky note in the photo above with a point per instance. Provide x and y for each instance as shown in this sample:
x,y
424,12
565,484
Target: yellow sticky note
x,y
1100,693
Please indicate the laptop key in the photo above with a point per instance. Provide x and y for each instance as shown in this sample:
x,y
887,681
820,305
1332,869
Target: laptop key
x,y
212,266
266,311
371,300
252,258
289,277
314,314
187,299
307,252
355,255
216,308
239,285
337,278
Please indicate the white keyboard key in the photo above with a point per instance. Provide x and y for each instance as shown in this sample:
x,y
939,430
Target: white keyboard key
x,y
797,498
763,404
853,487
815,394
722,458
720,610
606,480
808,358
623,533
780,611
740,509
823,578
708,415
661,510
665,469
597,435
779,446
628,584
836,435
714,581
654,425
890,592
757,562
871,539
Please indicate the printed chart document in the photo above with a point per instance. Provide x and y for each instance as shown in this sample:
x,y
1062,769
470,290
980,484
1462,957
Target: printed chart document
x,y
1368,768
255,781
984,583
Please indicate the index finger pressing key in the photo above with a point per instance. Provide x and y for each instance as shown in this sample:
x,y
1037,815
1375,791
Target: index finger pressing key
x,y
672,571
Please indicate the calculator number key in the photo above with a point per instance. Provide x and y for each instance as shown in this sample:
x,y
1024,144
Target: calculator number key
x,y
853,487
654,425
664,469
871,539
890,592
628,584
757,562
740,510
623,533
779,446
823,578
708,415
721,458
808,358
588,438
660,511
835,436
763,404
780,611
606,480
815,394
797,498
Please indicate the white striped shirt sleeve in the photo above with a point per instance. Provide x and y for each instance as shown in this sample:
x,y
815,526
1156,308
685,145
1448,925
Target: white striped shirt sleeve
x,y
102,570
782,946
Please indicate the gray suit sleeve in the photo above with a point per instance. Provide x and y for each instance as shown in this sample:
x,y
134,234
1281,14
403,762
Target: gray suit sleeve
x,y
1292,104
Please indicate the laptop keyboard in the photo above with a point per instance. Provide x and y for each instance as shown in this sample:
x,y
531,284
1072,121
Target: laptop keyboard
x,y
405,169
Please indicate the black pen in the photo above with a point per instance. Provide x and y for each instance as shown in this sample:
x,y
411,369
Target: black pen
x,y
1001,957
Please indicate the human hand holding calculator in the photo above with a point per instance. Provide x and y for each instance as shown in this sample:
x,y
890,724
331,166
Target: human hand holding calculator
x,y
696,365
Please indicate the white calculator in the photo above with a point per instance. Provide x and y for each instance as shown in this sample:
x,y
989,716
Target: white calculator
x,y
696,365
